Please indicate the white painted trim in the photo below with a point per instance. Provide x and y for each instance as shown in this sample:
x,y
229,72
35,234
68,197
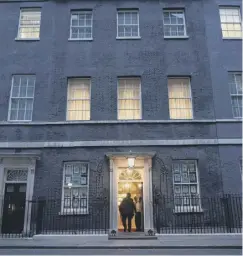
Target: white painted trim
x,y
113,197
120,143
88,122
147,195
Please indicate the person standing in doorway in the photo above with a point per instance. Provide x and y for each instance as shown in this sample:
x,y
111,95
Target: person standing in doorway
x,y
139,209
127,209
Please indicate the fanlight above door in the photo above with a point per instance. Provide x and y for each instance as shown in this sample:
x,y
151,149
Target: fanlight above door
x,y
130,174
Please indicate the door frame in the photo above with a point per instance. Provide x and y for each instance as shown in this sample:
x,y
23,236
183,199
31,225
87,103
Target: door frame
x,y
19,161
147,190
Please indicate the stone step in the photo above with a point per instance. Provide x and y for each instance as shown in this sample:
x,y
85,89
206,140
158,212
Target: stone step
x,y
131,236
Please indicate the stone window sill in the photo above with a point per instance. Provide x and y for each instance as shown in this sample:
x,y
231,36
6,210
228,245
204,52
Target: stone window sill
x,y
176,37
232,38
79,39
72,212
188,210
128,38
27,39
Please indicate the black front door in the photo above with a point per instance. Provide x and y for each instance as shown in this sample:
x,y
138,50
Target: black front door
x,y
14,208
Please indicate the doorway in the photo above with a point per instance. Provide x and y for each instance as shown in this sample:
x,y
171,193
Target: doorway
x,y
136,190
14,208
130,180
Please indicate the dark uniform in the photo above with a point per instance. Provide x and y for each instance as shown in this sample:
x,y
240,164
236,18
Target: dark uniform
x,y
127,209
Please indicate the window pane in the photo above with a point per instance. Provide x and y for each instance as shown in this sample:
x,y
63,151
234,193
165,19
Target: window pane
x,y
230,22
174,23
180,102
81,25
22,95
29,26
127,24
129,99
186,191
235,84
75,197
78,99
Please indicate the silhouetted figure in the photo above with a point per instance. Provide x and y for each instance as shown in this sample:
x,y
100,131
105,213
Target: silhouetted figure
x,y
139,209
127,209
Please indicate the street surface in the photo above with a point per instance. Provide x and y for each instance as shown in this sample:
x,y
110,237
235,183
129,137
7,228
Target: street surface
x,y
216,251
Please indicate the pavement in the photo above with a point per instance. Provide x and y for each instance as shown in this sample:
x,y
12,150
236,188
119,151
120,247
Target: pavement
x,y
127,252
183,241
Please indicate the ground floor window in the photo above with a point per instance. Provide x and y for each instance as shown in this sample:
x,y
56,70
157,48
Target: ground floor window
x,y
75,188
185,184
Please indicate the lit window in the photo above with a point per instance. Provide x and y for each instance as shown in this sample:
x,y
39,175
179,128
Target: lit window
x,y
129,98
128,24
186,186
230,22
75,188
174,23
22,98
180,100
81,25
235,83
29,23
78,105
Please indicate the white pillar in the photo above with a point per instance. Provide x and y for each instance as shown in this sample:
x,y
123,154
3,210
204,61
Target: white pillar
x,y
148,197
29,195
113,199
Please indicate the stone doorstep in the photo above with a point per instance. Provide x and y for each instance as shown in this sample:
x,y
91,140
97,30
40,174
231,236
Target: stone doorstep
x,y
131,236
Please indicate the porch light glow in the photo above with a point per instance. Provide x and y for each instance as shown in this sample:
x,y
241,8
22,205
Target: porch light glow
x,y
131,162
70,185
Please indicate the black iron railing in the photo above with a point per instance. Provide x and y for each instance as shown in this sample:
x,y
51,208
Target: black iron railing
x,y
52,216
206,215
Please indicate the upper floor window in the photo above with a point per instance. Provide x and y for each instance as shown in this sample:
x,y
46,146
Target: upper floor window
x,y
129,98
78,102
180,99
128,24
186,185
81,25
230,22
174,23
21,98
75,188
235,83
29,23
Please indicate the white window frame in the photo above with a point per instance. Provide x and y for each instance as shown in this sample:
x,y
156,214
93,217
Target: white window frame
x,y
73,211
67,110
140,96
184,23
34,9
230,7
190,90
117,25
81,12
235,95
11,97
189,208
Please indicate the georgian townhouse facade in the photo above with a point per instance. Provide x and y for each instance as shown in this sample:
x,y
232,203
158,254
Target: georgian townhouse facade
x,y
99,99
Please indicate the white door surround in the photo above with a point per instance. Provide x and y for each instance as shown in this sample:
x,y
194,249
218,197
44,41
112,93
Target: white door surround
x,y
142,158
18,161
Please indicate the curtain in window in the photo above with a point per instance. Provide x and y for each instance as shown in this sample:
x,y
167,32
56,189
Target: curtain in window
x,y
79,99
129,105
180,102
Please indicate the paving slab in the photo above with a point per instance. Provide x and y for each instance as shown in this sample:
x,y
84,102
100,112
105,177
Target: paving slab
x,y
101,241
